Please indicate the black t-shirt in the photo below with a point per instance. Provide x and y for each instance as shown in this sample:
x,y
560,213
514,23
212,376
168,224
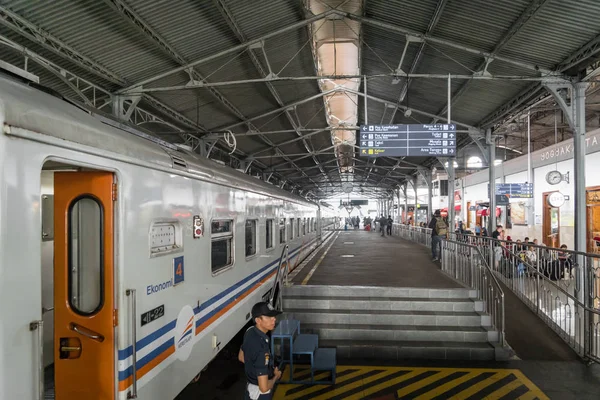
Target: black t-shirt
x,y
258,359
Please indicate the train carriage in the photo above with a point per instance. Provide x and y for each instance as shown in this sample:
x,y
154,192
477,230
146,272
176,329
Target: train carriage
x,y
126,264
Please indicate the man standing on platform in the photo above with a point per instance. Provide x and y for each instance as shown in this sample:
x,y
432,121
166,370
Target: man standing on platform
x,y
261,374
439,230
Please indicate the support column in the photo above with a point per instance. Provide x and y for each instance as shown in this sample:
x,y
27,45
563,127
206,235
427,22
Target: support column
x,y
579,163
413,183
492,179
451,183
429,195
405,190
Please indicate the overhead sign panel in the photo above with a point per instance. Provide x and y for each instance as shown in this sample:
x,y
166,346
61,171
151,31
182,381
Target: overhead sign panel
x,y
411,140
514,190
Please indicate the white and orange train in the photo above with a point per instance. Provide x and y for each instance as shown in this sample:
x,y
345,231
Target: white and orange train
x,y
126,264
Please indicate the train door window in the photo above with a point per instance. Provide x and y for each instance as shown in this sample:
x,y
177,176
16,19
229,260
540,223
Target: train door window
x,y
298,221
250,237
291,228
85,255
303,226
222,245
269,234
281,230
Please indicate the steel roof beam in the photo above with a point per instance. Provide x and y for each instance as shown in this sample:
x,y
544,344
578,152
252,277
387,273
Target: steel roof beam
x,y
590,49
288,142
156,39
424,113
277,110
444,42
220,4
234,49
437,15
146,115
43,38
270,79
49,42
515,28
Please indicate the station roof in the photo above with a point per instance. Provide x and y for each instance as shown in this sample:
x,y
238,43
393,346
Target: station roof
x,y
287,78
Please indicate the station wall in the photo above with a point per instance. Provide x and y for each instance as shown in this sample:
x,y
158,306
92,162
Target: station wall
x,y
558,157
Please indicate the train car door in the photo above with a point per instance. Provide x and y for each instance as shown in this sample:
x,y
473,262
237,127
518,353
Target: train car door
x,y
83,292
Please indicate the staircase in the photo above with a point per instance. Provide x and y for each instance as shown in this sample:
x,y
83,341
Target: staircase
x,y
395,323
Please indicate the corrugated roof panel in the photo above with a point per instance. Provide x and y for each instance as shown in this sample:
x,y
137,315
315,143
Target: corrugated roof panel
x,y
482,98
249,99
194,29
197,105
257,18
94,29
51,56
412,15
382,51
559,29
478,23
312,114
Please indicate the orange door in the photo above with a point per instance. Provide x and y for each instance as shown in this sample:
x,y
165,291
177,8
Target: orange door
x,y
83,292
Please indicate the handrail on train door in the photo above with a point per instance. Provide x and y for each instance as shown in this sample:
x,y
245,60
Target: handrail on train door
x,y
279,276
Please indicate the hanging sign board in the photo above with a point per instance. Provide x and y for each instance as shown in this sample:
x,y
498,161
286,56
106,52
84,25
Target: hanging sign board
x,y
412,140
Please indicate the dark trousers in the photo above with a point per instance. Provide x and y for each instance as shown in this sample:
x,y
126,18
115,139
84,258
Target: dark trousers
x,y
436,242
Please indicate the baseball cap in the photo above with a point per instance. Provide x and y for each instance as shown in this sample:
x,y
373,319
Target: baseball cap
x,y
264,308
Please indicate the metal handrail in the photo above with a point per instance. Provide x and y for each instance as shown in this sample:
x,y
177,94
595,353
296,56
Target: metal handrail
x,y
39,326
570,306
278,275
133,393
459,261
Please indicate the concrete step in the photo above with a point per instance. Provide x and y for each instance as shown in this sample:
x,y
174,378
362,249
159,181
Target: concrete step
x,y
388,317
402,350
381,303
400,333
376,291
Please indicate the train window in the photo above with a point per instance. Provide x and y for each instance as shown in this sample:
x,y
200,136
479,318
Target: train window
x,y
222,245
298,221
291,228
86,259
250,237
269,234
303,226
281,230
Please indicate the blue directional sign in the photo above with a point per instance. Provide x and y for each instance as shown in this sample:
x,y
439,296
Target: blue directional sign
x,y
412,140
514,190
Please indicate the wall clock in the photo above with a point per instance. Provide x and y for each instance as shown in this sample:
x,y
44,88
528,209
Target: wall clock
x,y
554,177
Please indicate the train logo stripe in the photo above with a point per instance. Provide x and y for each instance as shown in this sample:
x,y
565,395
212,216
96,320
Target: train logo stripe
x,y
161,353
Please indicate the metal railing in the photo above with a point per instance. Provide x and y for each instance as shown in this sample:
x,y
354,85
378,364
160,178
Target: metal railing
x,y
561,286
467,264
281,278
413,233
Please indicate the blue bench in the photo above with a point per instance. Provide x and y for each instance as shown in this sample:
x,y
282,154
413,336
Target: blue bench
x,y
321,359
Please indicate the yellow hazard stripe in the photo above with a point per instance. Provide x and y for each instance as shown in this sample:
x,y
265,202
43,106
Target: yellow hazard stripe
x,y
358,382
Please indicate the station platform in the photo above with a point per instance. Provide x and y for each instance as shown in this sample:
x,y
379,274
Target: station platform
x,y
361,258
224,379
544,366
358,257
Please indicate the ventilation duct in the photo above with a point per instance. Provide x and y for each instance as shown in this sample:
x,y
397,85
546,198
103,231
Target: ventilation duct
x,y
336,49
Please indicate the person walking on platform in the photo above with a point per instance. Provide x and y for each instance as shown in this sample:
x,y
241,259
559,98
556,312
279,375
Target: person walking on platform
x,y
383,224
390,221
439,230
261,374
